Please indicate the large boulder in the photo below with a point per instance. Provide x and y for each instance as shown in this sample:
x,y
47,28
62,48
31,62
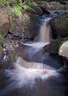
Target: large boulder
x,y
53,47
60,25
27,26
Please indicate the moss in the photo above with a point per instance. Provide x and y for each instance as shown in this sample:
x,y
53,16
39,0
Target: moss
x,y
58,6
1,39
4,29
62,23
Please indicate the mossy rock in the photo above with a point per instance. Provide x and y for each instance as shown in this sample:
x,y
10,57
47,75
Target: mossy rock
x,y
26,26
58,6
4,29
1,39
4,21
60,25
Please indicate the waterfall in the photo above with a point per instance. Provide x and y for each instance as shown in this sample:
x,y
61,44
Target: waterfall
x,y
45,30
35,50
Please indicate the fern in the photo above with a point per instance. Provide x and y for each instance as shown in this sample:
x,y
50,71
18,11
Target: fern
x,y
17,10
20,4
26,7
4,2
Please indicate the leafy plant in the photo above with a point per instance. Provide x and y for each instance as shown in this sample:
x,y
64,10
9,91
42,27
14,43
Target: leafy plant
x,y
12,1
17,10
21,4
4,2
10,15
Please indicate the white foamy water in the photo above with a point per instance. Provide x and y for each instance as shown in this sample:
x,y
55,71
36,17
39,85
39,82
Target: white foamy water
x,y
26,73
28,77
22,76
43,37
36,44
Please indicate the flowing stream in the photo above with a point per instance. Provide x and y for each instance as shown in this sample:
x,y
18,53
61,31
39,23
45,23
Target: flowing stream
x,y
34,50
32,77
40,41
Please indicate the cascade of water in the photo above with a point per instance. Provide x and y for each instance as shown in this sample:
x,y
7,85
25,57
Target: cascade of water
x,y
40,41
44,34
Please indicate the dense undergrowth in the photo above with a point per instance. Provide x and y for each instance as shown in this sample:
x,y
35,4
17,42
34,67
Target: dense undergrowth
x,y
18,5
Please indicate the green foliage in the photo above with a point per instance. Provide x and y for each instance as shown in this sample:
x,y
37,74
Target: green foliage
x,y
21,4
3,2
23,35
25,24
12,1
10,15
27,7
17,10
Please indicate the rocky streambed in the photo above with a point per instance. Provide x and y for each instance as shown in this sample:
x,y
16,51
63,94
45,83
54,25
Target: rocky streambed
x,y
17,48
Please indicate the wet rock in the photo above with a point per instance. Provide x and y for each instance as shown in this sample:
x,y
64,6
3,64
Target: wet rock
x,y
5,59
32,28
45,10
16,48
60,25
32,54
26,26
53,47
63,50
54,61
